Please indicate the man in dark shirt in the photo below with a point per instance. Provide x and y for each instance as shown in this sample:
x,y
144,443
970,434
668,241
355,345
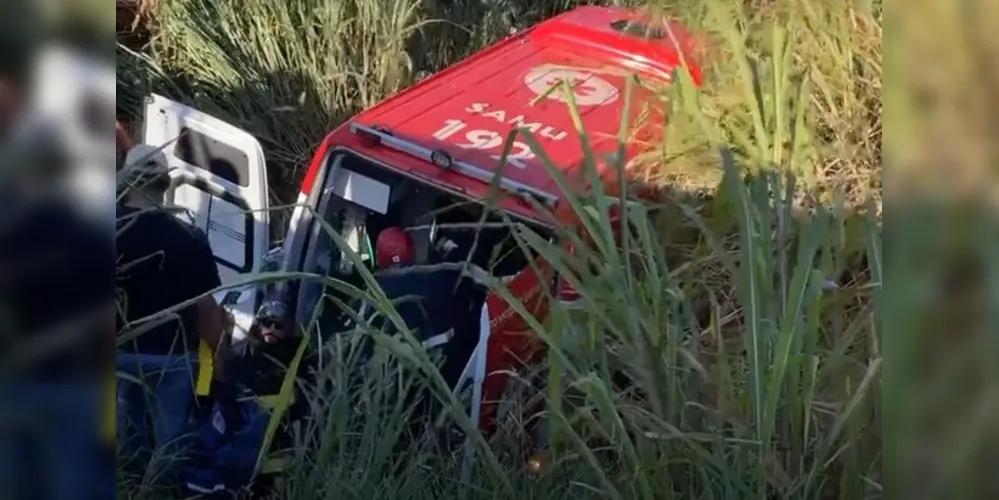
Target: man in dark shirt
x,y
164,265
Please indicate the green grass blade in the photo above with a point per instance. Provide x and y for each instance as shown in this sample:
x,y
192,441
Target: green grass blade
x,y
750,292
801,287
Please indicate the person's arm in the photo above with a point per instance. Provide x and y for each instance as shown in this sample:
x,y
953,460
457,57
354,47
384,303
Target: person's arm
x,y
213,320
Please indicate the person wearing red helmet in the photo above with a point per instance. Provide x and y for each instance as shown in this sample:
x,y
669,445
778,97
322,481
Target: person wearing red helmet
x,y
433,304
394,248
428,300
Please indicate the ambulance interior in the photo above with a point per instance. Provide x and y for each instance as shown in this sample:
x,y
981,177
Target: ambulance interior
x,y
360,199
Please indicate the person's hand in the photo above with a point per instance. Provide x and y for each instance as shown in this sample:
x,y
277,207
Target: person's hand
x,y
480,276
445,245
228,323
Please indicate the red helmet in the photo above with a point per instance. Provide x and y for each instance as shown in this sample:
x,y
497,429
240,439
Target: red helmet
x,y
394,247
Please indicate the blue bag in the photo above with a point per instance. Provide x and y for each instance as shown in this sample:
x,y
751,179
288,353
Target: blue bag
x,y
227,446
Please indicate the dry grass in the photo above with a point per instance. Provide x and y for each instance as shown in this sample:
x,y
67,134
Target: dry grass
x,y
816,68
261,67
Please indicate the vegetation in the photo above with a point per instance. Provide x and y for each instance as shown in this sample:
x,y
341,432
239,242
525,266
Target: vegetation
x,y
745,306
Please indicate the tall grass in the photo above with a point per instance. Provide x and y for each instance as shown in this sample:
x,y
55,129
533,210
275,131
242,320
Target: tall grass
x,y
747,323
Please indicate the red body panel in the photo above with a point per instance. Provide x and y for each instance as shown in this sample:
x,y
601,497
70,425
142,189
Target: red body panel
x,y
506,86
469,109
512,343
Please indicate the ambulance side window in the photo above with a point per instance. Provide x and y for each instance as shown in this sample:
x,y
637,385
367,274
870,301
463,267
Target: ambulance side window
x,y
219,158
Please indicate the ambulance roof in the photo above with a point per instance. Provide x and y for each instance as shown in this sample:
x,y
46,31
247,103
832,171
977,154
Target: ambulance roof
x,y
469,109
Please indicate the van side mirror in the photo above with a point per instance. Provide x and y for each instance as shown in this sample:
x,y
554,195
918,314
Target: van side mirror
x,y
273,260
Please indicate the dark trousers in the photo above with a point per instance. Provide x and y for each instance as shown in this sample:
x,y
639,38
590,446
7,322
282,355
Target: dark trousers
x,y
155,404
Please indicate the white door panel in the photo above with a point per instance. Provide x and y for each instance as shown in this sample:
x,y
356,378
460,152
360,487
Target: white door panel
x,y
187,195
219,175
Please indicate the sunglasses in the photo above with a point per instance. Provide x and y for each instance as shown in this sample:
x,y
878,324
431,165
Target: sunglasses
x,y
271,323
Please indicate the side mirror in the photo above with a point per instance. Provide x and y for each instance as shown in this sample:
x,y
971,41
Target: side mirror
x,y
273,260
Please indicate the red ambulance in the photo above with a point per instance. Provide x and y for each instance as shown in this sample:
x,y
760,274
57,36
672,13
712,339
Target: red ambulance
x,y
439,140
